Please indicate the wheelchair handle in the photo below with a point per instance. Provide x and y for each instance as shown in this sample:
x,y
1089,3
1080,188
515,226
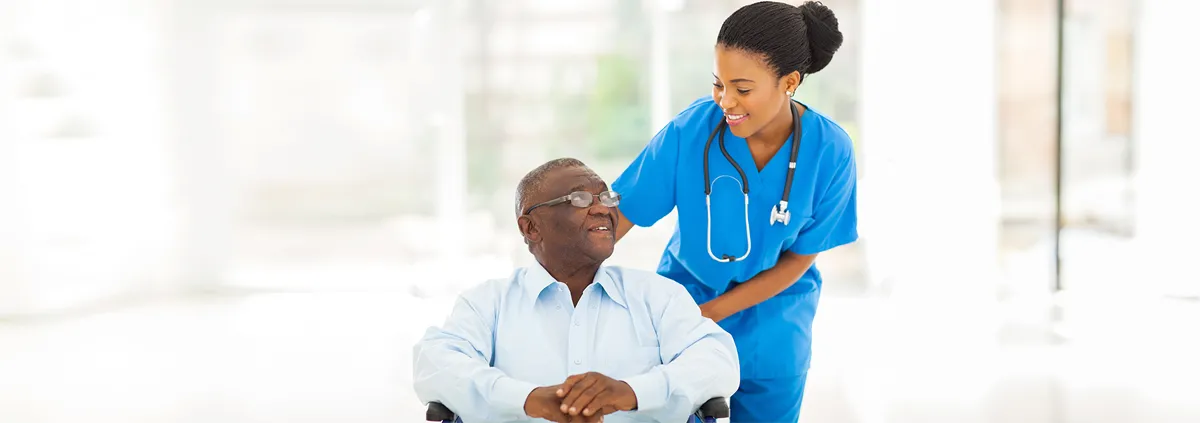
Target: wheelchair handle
x,y
436,412
716,408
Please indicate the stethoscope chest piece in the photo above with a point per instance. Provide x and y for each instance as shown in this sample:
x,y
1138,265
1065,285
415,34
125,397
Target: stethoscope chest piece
x,y
780,214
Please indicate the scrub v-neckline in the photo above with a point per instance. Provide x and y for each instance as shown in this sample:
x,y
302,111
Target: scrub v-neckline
x,y
743,154
740,151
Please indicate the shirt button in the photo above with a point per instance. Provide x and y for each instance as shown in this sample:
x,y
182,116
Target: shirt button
x,y
577,361
558,307
577,323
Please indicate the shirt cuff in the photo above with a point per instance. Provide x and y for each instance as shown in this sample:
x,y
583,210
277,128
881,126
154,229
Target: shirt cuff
x,y
650,388
510,394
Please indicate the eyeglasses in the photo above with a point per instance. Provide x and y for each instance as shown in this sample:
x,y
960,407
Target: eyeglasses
x,y
582,199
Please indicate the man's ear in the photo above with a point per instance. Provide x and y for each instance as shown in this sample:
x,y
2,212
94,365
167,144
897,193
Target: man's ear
x,y
528,229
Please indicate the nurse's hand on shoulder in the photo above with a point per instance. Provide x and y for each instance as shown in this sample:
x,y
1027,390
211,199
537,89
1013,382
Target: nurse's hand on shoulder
x,y
593,394
713,310
623,225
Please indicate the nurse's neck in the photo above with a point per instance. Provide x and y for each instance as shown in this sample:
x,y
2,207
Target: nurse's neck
x,y
776,132
577,276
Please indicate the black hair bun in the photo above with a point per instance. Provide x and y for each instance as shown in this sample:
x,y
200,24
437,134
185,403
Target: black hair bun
x,y
824,38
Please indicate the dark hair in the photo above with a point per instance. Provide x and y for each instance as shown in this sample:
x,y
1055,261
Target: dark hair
x,y
792,38
535,180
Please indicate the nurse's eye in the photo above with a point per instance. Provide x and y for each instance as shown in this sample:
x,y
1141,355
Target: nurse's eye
x,y
744,92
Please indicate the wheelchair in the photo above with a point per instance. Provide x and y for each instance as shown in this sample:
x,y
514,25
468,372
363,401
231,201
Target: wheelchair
x,y
708,412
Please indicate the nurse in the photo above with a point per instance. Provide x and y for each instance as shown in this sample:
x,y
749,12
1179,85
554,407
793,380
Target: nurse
x,y
751,219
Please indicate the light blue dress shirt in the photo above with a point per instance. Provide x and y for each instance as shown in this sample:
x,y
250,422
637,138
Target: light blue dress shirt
x,y
508,336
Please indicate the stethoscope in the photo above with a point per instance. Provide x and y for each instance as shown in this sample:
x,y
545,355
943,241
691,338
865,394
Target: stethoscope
x,y
779,213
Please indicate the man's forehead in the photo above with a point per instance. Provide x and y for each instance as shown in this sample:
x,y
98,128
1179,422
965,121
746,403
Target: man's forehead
x,y
572,177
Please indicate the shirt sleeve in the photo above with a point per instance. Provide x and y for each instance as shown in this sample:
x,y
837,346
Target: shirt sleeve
x,y
647,186
835,215
452,365
700,363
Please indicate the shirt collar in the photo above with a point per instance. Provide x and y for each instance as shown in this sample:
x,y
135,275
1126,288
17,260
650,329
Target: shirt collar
x,y
537,279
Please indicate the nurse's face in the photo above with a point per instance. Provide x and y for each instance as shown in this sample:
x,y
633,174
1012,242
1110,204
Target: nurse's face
x,y
572,233
751,95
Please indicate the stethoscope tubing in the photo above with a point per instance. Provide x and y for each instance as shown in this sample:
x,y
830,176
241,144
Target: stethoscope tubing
x,y
780,213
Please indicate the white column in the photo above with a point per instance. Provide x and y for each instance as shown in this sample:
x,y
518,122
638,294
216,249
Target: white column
x,y
207,190
929,197
1167,147
929,192
436,48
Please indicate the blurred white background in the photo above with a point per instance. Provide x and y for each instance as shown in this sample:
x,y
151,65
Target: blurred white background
x,y
248,211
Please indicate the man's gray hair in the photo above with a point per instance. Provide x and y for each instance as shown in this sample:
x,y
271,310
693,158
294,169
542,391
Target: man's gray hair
x,y
535,180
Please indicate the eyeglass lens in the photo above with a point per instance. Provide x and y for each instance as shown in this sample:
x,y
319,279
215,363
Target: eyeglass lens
x,y
584,199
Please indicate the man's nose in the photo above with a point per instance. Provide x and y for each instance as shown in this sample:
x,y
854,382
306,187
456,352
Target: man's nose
x,y
599,209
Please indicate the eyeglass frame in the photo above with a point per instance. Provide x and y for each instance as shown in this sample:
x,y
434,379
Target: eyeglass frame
x,y
567,198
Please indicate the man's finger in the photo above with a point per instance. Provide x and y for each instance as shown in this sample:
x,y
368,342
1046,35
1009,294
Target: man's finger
x,y
565,388
586,398
551,416
582,419
593,407
560,418
604,411
601,405
576,391
591,419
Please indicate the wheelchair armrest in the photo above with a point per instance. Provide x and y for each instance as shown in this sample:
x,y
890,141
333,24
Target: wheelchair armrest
x,y
436,412
715,408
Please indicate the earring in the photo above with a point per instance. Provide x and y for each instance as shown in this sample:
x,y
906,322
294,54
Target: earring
x,y
789,93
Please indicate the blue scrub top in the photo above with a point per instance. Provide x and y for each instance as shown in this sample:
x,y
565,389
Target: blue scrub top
x,y
773,338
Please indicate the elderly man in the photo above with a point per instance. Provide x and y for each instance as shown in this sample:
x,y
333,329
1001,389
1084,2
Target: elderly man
x,y
568,339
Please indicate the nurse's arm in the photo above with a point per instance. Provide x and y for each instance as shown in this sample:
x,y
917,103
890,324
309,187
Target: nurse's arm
x,y
766,284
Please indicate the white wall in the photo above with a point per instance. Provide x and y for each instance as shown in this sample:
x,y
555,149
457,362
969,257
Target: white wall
x,y
1166,87
930,197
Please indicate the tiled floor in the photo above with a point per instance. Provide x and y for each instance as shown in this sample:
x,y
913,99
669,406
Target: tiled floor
x,y
346,358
